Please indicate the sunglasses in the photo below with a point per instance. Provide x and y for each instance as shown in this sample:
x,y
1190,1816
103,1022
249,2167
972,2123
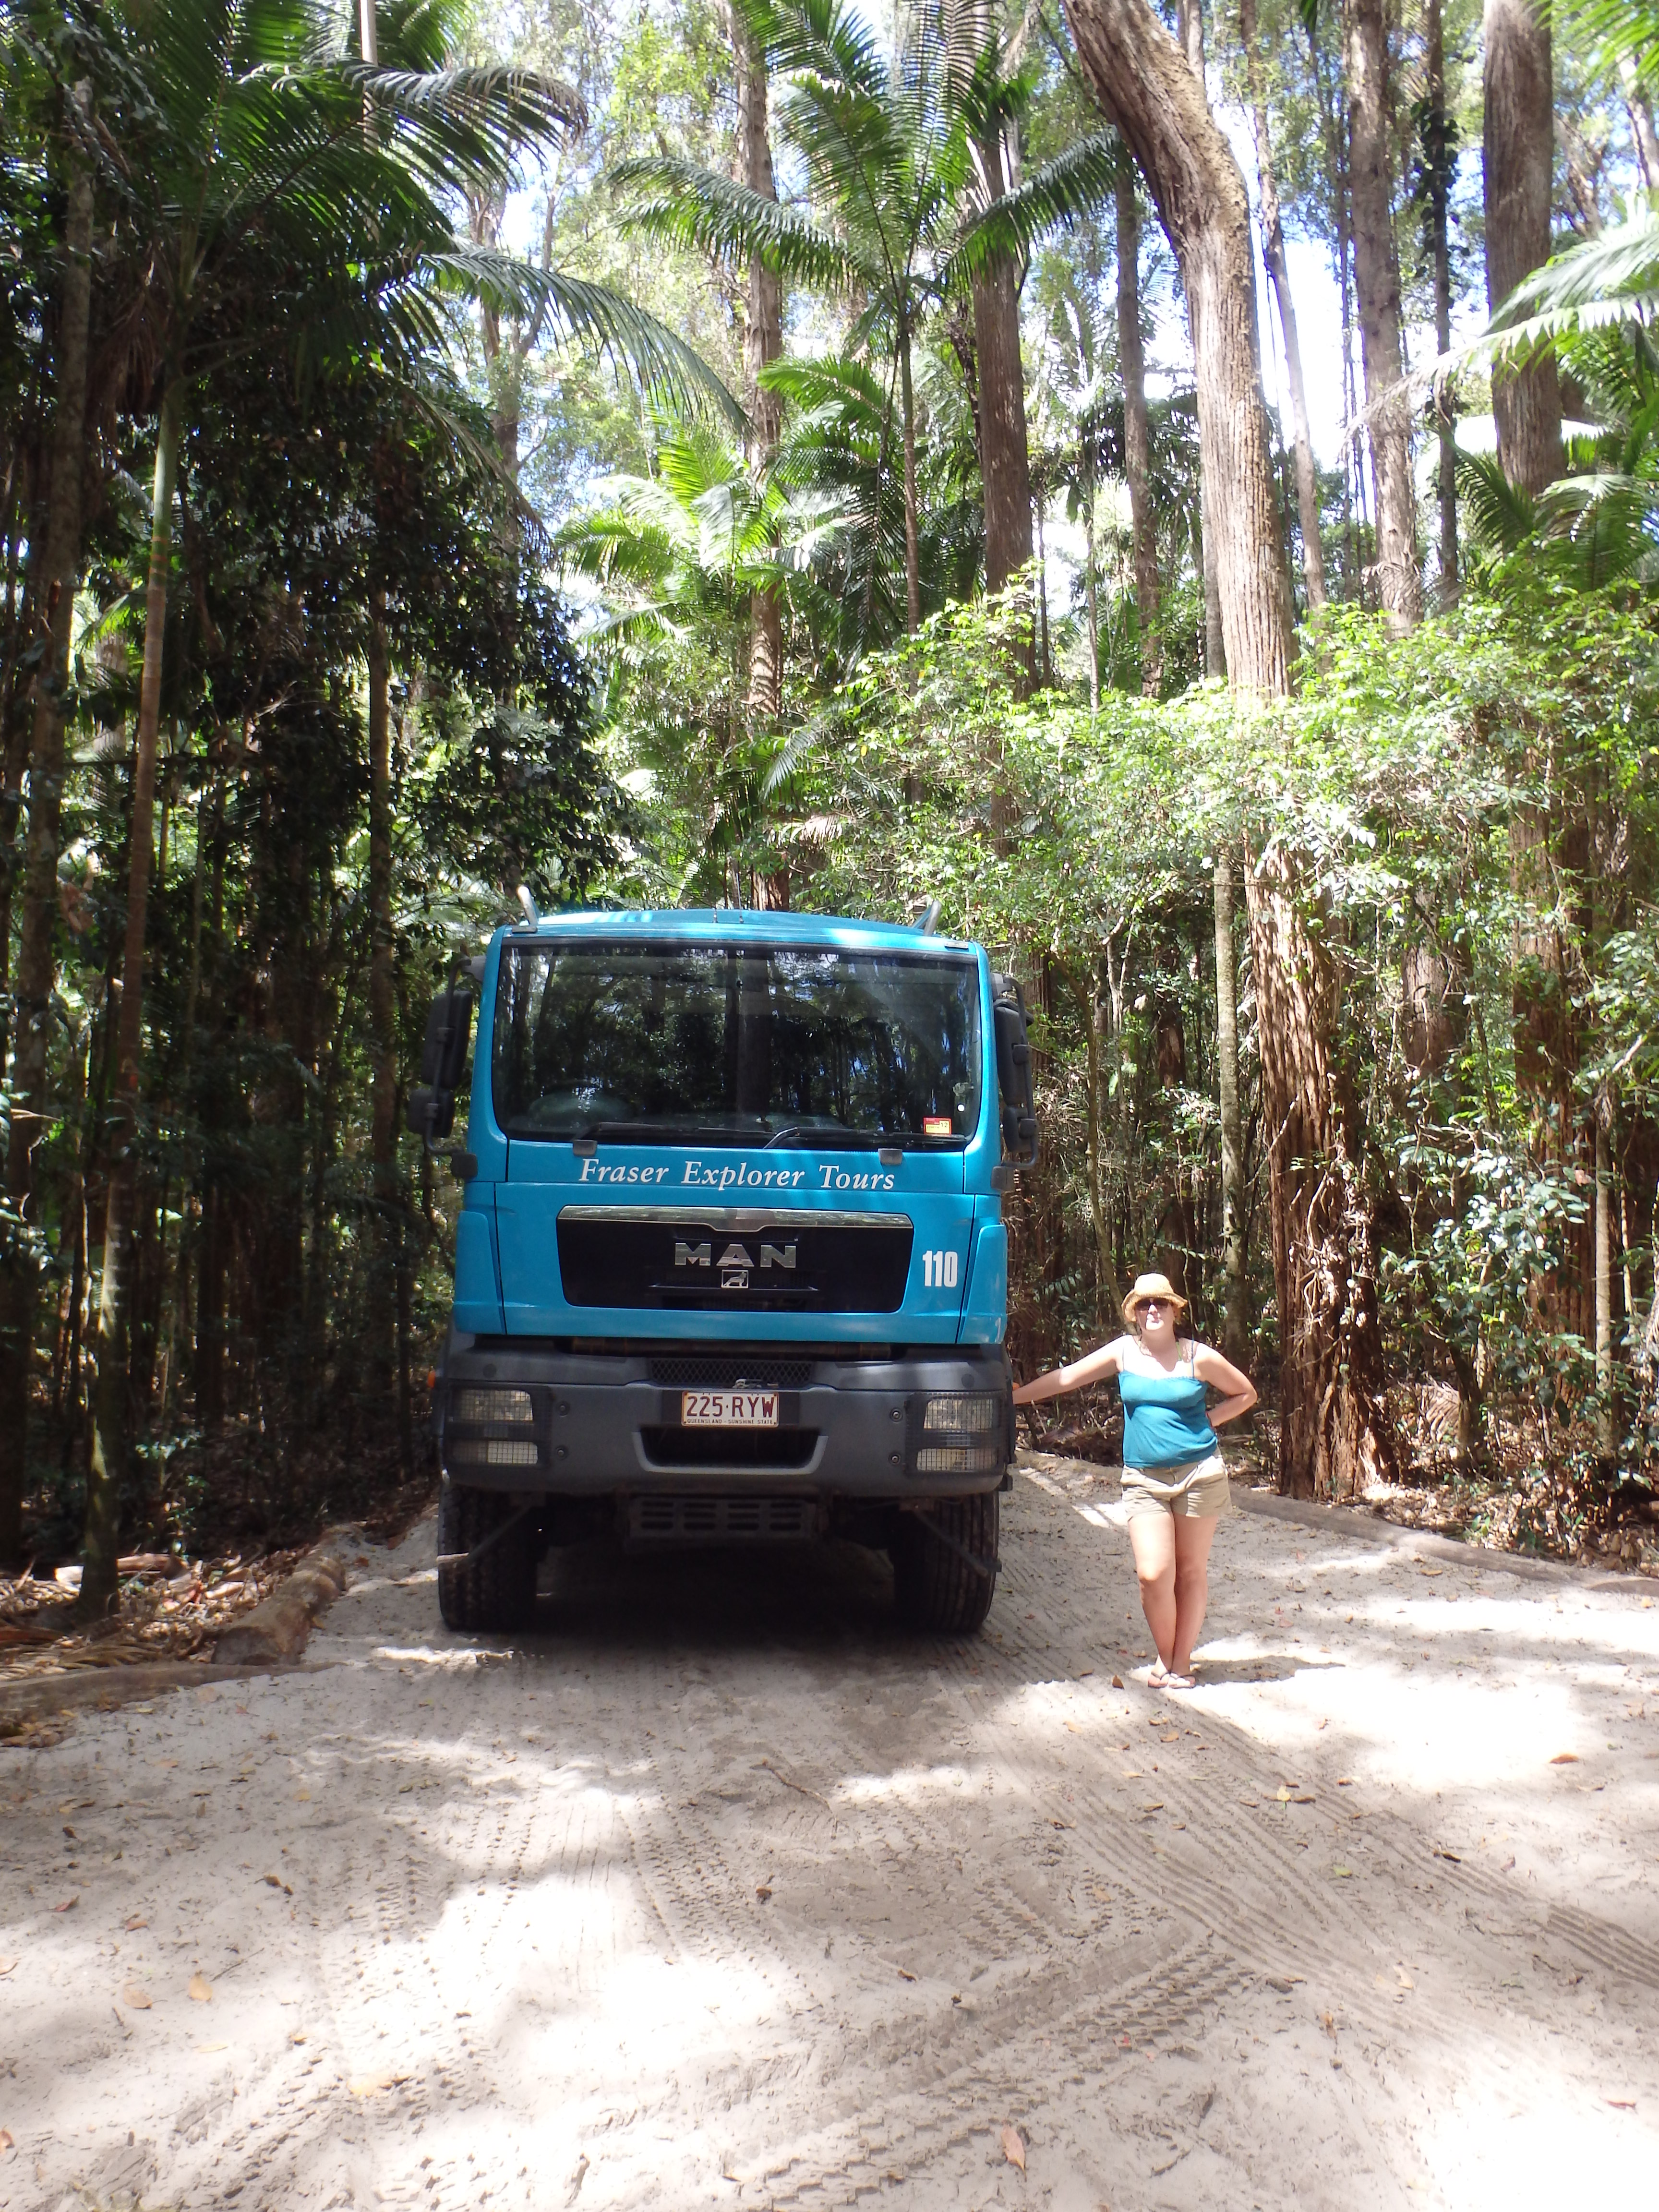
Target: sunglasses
x,y
1155,1305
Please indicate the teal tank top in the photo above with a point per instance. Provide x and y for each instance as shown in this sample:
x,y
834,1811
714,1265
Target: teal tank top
x,y
1165,1423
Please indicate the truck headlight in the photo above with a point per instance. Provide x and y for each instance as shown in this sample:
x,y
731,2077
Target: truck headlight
x,y
474,1407
974,1416
957,1458
491,1451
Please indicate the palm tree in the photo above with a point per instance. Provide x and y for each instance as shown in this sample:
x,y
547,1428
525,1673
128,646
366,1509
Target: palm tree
x,y
894,153
290,196
834,451
882,159
678,557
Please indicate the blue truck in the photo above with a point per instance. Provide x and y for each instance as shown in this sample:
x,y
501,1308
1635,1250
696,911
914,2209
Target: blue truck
x,y
729,1264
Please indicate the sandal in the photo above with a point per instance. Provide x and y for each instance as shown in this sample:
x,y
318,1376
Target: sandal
x,y
1168,1681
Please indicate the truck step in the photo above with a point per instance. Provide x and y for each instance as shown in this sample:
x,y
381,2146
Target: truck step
x,y
720,1520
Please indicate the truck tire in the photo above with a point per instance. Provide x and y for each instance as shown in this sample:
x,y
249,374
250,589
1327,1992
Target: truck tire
x,y
500,1591
936,1584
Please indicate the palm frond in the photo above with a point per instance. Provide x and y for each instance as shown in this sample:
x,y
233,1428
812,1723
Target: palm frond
x,y
1499,514
693,207
1073,185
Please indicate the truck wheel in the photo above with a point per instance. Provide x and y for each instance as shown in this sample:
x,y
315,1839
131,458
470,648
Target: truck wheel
x,y
500,1591
935,1585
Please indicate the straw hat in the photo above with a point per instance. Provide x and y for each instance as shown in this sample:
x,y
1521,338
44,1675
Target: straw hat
x,y
1151,1286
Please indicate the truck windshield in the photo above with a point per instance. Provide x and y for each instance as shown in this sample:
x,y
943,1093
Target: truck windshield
x,y
752,1045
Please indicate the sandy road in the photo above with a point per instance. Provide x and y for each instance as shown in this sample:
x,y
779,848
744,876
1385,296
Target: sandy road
x,y
720,1890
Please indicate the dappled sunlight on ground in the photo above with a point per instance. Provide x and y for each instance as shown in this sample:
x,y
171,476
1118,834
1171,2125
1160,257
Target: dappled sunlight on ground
x,y
718,1889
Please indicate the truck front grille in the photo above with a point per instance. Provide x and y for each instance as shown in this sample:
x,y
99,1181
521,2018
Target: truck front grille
x,y
720,1520
783,1448
679,1261
718,1371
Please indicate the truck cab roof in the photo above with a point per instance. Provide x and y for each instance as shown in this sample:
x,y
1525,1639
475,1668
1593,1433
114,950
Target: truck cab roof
x,y
732,925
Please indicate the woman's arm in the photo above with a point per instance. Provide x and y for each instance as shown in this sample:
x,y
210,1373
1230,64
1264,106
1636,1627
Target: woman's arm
x,y
1238,1391
1093,1367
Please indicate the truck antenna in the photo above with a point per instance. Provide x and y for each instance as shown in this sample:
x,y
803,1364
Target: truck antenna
x,y
533,919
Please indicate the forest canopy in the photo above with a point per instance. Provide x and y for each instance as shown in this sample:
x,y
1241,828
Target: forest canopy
x,y
1177,486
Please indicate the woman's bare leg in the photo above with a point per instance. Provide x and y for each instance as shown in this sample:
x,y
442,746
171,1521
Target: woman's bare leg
x,y
1192,1537
1153,1536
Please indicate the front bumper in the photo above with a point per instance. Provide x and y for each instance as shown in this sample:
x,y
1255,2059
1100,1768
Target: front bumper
x,y
608,1423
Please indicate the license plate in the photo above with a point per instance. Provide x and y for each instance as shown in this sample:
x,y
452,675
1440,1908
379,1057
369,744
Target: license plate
x,y
729,1409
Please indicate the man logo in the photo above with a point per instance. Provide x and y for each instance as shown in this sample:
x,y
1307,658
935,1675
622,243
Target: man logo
x,y
736,1263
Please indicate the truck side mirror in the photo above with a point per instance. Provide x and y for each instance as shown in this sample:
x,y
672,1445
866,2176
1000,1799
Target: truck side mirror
x,y
1019,1124
443,1062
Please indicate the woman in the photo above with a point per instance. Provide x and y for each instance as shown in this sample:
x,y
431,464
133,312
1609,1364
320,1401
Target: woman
x,y
1175,1484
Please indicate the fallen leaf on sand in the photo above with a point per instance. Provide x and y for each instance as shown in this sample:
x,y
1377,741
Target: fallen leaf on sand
x,y
8,2141
6,1965
1622,2103
68,1904
905,1975
1565,1758
201,1988
370,2085
302,1797
763,1893
136,1998
1342,1874
1117,1681
1013,2148
132,1926
207,2049
1452,1856
276,1882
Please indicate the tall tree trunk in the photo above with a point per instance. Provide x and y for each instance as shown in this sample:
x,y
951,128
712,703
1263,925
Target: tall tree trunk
x,y
1376,271
1336,173
1189,28
911,548
1607,1420
1136,434
1336,1428
763,342
1335,1436
60,571
1142,81
1440,157
1640,112
382,1005
101,1545
1236,1324
1004,456
1517,160
1279,269
1090,597
1215,639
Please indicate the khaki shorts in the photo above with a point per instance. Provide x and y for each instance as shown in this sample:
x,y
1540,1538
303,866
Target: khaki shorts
x,y
1197,1490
